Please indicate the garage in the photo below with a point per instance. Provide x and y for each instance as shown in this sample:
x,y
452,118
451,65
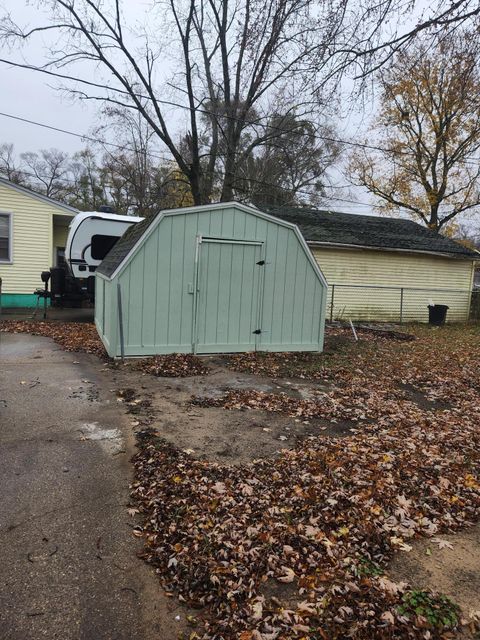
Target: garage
x,y
210,279
386,269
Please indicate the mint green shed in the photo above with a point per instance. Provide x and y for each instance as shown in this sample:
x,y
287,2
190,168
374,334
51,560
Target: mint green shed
x,y
210,279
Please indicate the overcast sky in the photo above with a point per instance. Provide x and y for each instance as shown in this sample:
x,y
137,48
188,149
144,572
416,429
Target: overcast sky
x,y
33,96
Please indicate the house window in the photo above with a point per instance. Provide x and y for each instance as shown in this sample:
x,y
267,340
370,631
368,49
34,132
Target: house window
x,y
5,238
101,245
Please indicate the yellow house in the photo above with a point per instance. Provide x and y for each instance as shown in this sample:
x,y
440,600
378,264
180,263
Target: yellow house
x,y
387,269
33,232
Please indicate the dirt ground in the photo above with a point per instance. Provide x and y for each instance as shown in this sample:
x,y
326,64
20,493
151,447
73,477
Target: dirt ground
x,y
211,433
453,571
235,437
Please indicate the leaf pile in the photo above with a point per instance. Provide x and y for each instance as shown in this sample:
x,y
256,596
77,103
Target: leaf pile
x,y
71,336
172,365
322,520
302,364
311,365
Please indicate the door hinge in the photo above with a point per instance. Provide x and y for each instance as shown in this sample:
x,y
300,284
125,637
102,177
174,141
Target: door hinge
x,y
261,263
257,331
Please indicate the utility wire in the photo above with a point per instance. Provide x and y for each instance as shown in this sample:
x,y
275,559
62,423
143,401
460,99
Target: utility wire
x,y
257,122
103,142
122,147
80,135
62,180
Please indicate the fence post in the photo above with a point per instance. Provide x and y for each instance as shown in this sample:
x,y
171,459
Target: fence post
x,y
331,303
401,305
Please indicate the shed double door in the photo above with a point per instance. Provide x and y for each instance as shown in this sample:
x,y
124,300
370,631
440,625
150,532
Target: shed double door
x,y
228,296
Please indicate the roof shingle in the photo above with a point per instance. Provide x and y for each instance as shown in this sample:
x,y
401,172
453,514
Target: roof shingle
x,y
121,249
369,231
327,227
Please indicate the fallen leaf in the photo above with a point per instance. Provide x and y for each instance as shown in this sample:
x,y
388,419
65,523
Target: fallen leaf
x,y
442,544
288,575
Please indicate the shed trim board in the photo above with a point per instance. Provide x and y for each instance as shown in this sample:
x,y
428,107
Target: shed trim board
x,y
212,279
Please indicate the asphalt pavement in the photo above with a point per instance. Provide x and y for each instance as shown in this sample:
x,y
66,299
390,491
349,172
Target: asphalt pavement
x,y
68,565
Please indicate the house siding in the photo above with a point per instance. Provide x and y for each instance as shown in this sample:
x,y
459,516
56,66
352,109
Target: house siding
x,y
32,242
419,275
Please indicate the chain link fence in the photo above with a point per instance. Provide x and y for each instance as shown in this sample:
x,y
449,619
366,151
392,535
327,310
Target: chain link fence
x,y
376,303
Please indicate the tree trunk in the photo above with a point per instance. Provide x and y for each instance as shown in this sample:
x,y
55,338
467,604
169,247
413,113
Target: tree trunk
x,y
230,172
227,189
433,223
196,191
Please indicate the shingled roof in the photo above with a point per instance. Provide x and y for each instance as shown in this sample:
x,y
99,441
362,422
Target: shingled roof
x,y
369,231
121,249
330,228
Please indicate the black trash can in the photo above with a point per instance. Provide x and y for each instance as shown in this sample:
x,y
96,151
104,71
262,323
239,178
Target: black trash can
x,y
437,314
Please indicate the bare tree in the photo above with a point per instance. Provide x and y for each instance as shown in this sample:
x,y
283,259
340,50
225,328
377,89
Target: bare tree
x,y
235,57
238,62
140,180
9,168
385,28
87,189
48,171
466,235
427,133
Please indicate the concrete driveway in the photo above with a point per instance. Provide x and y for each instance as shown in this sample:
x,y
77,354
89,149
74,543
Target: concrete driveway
x,y
68,565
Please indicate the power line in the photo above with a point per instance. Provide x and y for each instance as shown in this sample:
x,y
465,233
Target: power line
x,y
63,180
178,105
98,140
257,122
122,147
80,135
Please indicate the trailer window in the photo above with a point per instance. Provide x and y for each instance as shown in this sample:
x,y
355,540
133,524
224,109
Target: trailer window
x,y
101,245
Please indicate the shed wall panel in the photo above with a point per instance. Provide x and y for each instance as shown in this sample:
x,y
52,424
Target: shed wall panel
x,y
100,304
149,271
111,315
292,286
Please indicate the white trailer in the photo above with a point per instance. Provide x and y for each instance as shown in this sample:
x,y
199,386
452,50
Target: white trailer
x,y
90,237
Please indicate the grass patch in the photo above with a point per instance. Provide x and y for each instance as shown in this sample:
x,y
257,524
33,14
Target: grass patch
x,y
439,611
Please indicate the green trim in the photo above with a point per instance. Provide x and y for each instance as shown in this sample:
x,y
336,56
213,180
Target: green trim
x,y
16,300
